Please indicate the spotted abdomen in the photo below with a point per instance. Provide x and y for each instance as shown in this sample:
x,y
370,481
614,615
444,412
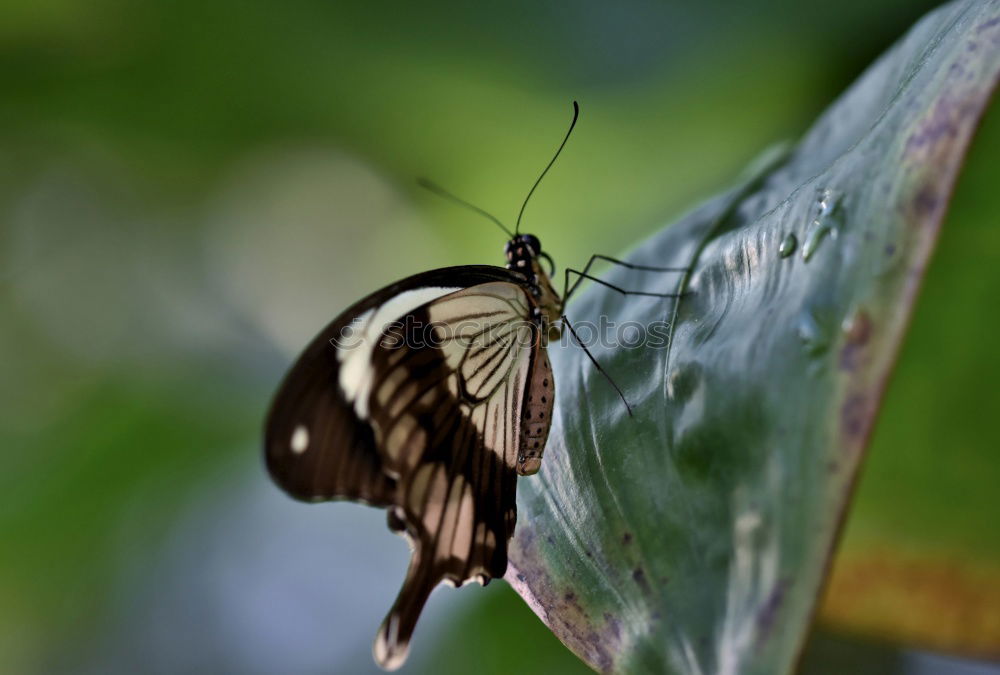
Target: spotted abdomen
x,y
537,413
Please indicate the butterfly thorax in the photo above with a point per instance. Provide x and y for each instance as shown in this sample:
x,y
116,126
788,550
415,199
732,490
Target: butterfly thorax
x,y
523,254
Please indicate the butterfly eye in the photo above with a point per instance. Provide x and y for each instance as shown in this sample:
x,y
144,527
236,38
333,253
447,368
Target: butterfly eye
x,y
532,242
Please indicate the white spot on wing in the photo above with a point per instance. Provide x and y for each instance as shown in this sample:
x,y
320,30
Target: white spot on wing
x,y
300,439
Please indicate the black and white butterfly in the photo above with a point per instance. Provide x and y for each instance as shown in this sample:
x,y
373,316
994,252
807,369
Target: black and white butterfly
x,y
428,398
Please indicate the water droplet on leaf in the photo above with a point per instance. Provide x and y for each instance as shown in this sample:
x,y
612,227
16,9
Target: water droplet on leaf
x,y
824,224
816,238
788,245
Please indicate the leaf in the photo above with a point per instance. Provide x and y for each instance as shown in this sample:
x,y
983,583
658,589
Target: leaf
x,y
695,537
918,561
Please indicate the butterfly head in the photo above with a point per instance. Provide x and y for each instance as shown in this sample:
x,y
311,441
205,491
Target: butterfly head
x,y
522,251
523,254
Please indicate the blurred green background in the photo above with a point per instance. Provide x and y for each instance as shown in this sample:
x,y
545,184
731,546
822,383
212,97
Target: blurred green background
x,y
189,191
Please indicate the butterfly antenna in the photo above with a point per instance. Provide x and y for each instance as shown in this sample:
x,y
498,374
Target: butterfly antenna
x,y
576,114
441,192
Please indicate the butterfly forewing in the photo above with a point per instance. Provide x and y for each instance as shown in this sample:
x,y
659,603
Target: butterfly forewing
x,y
315,447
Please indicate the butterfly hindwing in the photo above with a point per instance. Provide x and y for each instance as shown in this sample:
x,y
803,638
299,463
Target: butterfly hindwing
x,y
450,430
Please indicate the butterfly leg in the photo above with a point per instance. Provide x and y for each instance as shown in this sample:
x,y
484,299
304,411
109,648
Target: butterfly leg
x,y
569,290
597,365
582,275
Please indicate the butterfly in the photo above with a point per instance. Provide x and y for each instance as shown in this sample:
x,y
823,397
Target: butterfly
x,y
429,398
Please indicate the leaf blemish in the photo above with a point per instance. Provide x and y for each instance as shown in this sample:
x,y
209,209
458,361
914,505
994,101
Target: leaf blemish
x,y
857,332
987,25
854,416
639,576
926,203
767,613
612,624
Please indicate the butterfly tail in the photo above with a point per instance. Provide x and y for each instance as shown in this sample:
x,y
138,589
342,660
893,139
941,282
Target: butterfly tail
x,y
392,643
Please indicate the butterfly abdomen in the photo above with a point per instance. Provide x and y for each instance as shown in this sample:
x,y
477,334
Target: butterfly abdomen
x,y
537,414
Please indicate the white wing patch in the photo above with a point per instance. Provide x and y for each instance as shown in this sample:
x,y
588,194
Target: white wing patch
x,y
354,350
300,439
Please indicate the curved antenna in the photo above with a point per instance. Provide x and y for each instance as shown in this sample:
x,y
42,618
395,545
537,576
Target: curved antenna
x,y
441,192
576,113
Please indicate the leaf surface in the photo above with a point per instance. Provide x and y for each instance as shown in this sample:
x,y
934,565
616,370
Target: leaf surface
x,y
695,536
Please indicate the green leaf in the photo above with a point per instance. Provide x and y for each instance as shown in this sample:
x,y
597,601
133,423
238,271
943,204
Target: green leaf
x,y
694,537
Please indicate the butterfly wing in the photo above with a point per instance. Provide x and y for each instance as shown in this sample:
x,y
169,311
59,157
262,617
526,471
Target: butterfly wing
x,y
316,447
417,405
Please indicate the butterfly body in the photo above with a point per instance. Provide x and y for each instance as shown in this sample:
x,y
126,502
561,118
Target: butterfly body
x,y
428,398
523,253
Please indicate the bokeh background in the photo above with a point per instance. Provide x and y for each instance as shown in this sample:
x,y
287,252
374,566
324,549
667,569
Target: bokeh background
x,y
190,190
